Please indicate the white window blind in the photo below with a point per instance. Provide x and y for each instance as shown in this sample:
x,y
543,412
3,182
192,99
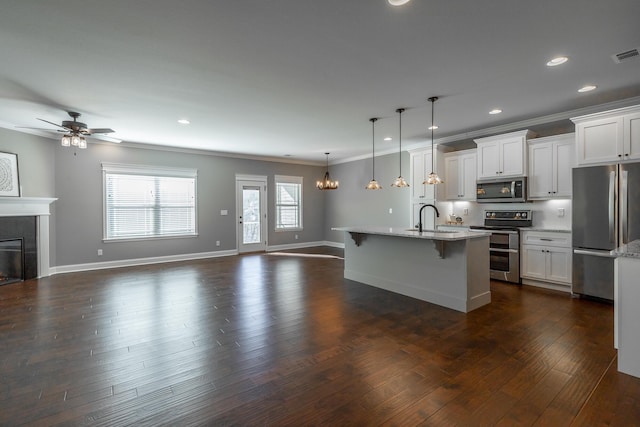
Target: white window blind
x,y
288,202
142,202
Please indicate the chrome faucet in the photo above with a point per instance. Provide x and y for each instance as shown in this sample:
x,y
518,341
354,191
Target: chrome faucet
x,y
420,215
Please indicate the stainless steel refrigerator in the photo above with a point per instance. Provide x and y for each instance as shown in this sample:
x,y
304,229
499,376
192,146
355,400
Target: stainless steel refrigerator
x,y
606,215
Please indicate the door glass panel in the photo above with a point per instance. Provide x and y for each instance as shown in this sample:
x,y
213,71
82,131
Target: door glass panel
x,y
251,215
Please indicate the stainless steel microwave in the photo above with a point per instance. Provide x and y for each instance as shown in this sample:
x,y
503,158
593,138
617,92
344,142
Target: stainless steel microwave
x,y
502,190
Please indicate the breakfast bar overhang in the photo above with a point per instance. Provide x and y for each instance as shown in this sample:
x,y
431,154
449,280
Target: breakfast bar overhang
x,y
450,269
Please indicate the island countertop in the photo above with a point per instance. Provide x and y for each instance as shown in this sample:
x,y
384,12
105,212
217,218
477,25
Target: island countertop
x,y
415,234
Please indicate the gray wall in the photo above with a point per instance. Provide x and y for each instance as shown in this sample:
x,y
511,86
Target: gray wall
x,y
35,161
79,208
75,178
352,205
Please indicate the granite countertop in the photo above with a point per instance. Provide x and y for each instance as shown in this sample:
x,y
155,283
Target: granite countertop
x,y
630,250
553,230
415,234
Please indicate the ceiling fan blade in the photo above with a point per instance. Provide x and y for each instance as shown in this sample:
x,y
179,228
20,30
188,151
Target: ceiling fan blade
x,y
51,123
105,138
99,130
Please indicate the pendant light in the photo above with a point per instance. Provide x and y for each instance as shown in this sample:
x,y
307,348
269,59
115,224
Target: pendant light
x,y
400,181
327,183
373,184
433,177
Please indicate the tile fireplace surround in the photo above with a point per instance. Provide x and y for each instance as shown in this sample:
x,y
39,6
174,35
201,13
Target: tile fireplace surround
x,y
38,207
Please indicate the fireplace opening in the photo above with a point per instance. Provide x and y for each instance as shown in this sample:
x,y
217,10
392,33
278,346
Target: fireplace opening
x,y
11,261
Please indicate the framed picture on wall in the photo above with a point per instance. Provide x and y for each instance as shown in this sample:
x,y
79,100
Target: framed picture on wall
x,y
9,180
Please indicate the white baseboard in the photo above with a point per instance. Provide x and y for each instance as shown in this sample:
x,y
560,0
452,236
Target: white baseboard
x,y
173,258
138,261
547,285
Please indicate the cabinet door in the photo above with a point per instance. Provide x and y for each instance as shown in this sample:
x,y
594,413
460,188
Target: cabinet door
x,y
467,177
512,157
540,167
563,162
533,264
488,160
599,141
632,136
420,162
417,175
559,265
452,167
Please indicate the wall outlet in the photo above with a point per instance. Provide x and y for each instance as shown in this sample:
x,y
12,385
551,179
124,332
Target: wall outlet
x,y
295,237
561,212
217,242
99,252
390,210
465,211
224,212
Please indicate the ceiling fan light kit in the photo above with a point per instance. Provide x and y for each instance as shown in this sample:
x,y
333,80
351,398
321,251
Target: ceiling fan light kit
x,y
75,132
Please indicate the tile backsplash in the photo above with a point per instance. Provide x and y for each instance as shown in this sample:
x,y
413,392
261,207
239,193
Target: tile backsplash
x,y
554,214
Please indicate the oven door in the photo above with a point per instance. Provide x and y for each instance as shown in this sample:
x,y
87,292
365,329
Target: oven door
x,y
504,256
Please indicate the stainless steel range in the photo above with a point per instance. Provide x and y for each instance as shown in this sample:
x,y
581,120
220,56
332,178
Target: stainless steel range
x,y
504,243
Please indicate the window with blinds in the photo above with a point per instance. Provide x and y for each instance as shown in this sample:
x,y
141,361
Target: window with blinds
x,y
142,202
288,202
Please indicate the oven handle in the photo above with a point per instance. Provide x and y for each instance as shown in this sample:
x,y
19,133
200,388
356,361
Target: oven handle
x,y
511,251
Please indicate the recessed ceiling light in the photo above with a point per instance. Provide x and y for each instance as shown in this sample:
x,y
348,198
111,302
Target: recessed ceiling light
x,y
495,111
433,127
587,88
184,122
557,61
388,138
398,2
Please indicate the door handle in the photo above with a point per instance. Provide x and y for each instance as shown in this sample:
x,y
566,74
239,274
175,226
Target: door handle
x,y
612,201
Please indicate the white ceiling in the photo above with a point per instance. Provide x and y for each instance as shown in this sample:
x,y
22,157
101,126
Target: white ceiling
x,y
301,77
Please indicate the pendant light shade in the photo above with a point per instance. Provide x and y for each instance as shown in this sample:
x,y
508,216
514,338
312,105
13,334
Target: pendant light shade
x,y
433,177
373,184
400,181
327,183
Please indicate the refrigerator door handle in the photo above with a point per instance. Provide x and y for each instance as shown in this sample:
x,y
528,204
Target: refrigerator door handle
x,y
612,205
603,254
624,205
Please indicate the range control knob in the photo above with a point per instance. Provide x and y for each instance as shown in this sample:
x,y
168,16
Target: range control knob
x,y
523,214
488,214
518,215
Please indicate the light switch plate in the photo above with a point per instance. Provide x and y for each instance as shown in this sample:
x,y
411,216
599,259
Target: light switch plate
x,y
560,212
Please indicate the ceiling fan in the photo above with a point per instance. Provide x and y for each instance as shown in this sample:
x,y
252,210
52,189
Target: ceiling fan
x,y
75,131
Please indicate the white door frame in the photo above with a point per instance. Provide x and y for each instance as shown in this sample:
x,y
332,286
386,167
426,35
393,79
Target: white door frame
x,y
253,181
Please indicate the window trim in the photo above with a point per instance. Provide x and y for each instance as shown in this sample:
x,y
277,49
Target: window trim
x,y
146,170
287,179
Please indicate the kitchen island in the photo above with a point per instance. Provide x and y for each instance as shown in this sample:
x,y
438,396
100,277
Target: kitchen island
x,y
450,269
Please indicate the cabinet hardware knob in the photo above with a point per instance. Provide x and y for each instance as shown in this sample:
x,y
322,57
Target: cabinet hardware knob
x,y
627,154
619,155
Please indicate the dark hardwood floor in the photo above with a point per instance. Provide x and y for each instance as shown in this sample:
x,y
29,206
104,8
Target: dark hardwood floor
x,y
275,339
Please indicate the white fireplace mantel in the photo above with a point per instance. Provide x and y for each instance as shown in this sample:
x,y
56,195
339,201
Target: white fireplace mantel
x,y
39,207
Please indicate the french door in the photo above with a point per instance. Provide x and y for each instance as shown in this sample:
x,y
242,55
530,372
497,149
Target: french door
x,y
251,198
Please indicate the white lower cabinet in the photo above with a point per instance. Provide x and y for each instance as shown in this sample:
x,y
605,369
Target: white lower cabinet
x,y
545,259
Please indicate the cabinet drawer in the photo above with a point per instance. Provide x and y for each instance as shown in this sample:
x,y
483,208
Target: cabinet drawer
x,y
546,238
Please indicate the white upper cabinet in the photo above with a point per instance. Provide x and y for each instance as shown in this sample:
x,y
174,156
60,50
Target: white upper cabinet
x,y
460,175
503,155
550,162
420,165
611,136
